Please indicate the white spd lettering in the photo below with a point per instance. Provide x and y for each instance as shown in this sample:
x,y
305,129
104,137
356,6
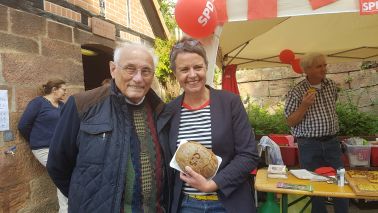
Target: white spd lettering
x,y
368,6
205,17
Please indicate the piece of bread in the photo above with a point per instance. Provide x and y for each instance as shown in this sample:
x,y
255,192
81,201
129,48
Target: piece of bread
x,y
198,157
372,176
311,90
357,173
367,187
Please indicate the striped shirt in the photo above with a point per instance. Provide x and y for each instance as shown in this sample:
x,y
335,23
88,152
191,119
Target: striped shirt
x,y
195,125
321,118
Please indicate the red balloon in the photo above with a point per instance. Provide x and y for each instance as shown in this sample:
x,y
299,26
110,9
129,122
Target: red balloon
x,y
287,56
197,18
296,65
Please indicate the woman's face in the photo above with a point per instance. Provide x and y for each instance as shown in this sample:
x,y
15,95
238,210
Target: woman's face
x,y
190,72
60,92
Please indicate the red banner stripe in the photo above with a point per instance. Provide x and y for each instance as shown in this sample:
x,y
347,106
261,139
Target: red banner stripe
x,y
260,9
315,4
221,7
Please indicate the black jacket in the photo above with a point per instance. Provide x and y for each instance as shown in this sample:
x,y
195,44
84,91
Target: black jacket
x,y
232,139
89,150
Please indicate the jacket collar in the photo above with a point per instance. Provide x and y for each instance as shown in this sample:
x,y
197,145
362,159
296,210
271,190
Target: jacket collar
x,y
174,107
156,103
176,104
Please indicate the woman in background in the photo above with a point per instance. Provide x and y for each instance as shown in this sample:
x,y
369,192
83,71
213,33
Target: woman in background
x,y
37,123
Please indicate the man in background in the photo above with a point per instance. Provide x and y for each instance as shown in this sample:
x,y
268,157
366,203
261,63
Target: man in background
x,y
310,110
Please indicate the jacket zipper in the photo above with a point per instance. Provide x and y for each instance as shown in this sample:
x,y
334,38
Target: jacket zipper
x,y
119,166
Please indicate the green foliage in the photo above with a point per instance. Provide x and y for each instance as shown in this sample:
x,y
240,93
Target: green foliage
x,y
162,49
167,8
217,76
369,64
353,122
264,122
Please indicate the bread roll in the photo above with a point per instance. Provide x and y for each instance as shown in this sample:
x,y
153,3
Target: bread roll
x,y
198,157
311,90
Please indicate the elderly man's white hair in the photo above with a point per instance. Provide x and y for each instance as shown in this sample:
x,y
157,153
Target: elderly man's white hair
x,y
131,46
308,59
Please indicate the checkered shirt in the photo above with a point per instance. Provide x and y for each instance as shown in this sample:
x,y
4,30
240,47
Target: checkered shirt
x,y
320,118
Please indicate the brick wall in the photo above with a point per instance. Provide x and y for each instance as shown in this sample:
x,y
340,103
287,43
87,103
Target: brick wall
x,y
62,11
269,86
90,5
115,10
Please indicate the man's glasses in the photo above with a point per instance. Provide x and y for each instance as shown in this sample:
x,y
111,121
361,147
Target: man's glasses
x,y
133,70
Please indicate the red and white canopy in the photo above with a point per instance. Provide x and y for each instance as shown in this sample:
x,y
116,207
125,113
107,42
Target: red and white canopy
x,y
252,33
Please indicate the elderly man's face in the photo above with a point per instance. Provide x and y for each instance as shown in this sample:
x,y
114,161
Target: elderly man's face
x,y
317,72
133,73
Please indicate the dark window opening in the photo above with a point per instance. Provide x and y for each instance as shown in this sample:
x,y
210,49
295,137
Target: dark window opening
x,y
96,64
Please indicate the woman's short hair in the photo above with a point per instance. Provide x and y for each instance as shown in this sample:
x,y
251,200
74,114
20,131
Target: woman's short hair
x,y
308,59
47,88
186,45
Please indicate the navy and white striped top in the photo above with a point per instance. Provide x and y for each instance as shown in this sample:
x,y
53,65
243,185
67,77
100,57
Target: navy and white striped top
x,y
195,125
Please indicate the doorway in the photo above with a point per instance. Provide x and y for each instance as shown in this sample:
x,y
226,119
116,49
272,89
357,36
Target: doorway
x,y
96,59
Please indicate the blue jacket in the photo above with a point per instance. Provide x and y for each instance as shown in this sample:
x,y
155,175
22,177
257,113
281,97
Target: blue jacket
x,y
232,139
37,123
88,156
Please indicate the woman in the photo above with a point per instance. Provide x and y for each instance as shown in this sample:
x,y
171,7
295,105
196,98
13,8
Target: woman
x,y
216,119
37,124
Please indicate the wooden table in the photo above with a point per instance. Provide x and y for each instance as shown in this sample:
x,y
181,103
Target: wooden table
x,y
323,189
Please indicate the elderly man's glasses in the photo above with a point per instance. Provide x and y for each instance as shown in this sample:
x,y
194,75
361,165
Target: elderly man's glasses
x,y
133,70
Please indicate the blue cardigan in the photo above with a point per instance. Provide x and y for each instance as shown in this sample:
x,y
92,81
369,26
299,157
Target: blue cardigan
x,y
37,123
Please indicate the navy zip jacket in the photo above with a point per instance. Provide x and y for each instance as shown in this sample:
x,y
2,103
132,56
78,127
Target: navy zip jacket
x,y
37,123
90,148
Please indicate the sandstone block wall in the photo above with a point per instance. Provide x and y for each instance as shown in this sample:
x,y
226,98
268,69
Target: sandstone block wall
x,y
31,52
269,86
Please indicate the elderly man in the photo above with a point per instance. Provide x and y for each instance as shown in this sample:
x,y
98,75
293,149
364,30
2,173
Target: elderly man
x,y
105,153
310,110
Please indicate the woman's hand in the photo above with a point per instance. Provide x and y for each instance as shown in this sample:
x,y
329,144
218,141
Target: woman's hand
x,y
197,181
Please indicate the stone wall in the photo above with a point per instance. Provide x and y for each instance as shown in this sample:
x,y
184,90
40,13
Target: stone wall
x,y
269,86
33,49
31,52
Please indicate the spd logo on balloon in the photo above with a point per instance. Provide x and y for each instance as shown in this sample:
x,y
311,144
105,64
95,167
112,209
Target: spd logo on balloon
x,y
197,18
206,13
